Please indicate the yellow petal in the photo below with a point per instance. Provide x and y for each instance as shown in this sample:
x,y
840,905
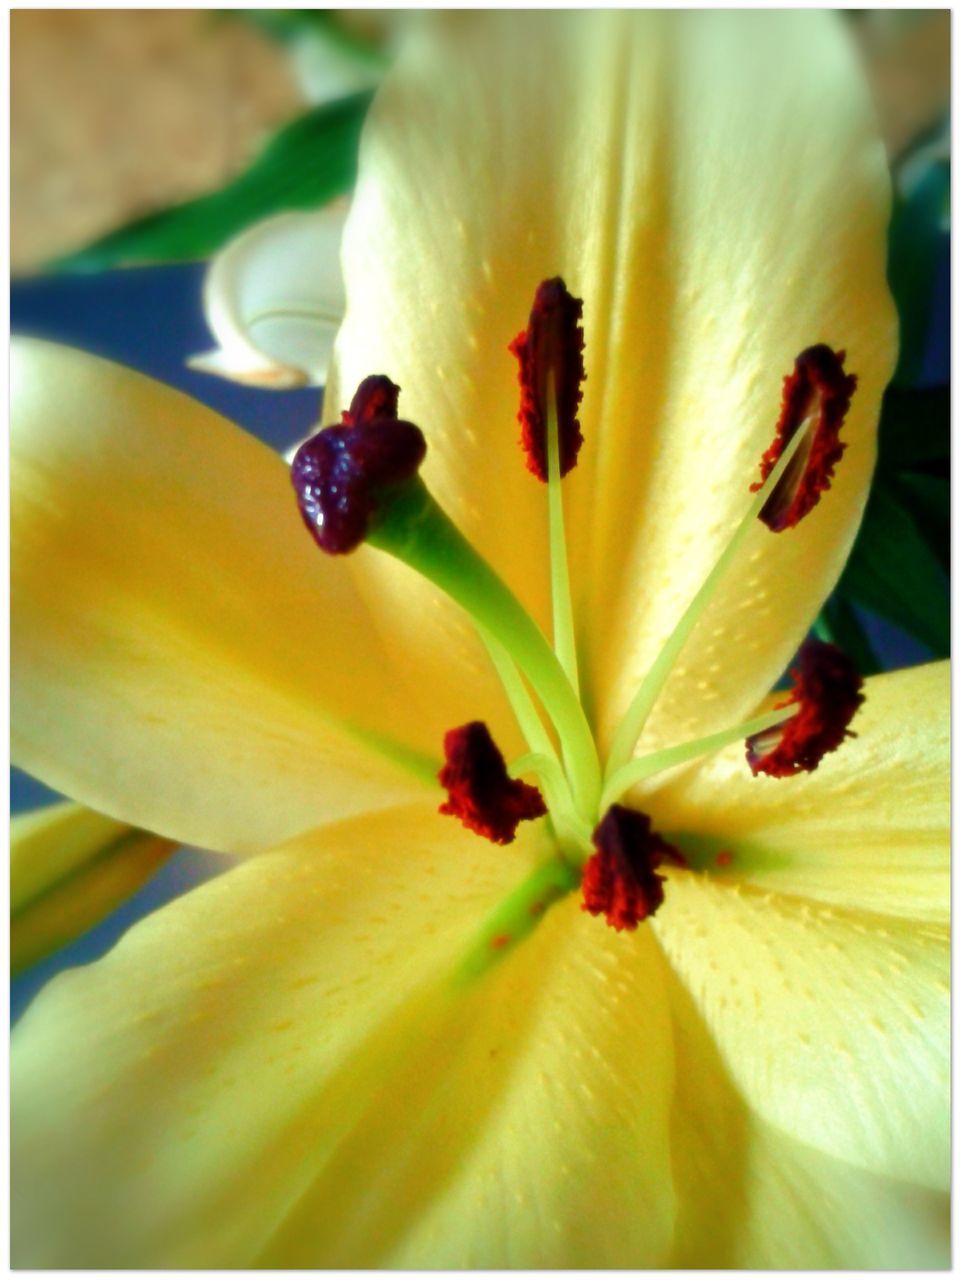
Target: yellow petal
x,y
69,868
710,184
870,829
751,1197
834,1024
276,1070
184,658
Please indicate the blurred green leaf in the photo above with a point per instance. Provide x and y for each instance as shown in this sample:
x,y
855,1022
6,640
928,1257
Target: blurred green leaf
x,y
894,571
914,428
307,163
323,24
927,500
916,237
838,624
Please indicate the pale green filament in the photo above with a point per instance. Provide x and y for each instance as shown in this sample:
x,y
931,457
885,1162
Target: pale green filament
x,y
527,717
413,528
564,635
635,771
573,833
631,726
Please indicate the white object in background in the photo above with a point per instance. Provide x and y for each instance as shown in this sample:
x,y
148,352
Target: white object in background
x,y
274,299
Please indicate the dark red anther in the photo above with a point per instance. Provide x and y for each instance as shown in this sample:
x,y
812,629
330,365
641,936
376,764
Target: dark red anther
x,y
620,880
481,792
827,690
375,400
550,351
342,472
817,386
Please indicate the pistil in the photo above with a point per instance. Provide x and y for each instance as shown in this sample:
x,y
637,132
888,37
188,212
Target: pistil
x,y
414,529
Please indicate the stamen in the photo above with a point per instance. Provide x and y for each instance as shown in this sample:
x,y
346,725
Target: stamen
x,y
827,691
631,726
644,767
564,635
573,834
525,713
620,881
481,792
818,386
343,473
550,353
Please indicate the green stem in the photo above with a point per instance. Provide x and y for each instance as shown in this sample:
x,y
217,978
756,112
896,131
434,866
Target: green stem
x,y
414,529
631,726
635,771
564,636
531,726
515,917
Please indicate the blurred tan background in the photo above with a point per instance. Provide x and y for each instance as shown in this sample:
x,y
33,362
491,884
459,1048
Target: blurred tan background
x,y
115,113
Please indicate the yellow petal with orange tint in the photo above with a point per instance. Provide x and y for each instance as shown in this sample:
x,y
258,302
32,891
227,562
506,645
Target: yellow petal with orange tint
x,y
279,1070
712,186
184,659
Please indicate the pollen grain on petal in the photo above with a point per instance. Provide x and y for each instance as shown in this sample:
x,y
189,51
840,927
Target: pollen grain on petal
x,y
549,350
820,388
620,880
340,473
480,791
827,690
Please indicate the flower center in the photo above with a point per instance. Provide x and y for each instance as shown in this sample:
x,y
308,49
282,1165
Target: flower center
x,y
359,481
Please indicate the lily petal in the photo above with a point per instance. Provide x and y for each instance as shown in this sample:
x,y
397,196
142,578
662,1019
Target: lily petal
x,y
303,1085
183,658
69,868
869,830
274,319
752,1197
854,1007
711,185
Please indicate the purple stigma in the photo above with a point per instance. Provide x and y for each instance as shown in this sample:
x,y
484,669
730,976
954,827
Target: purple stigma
x,y
342,473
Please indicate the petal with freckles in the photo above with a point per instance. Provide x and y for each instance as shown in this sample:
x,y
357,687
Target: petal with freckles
x,y
869,829
183,658
710,184
275,317
750,1196
277,1071
834,1024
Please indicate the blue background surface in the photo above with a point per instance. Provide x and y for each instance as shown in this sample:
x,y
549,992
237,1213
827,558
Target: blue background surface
x,y
151,319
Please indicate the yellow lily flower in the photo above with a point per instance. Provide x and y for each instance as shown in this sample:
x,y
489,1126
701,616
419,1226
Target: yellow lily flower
x,y
335,1054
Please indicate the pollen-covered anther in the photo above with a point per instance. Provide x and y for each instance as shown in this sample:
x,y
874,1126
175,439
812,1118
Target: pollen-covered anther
x,y
342,473
620,880
819,389
827,691
480,791
550,354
